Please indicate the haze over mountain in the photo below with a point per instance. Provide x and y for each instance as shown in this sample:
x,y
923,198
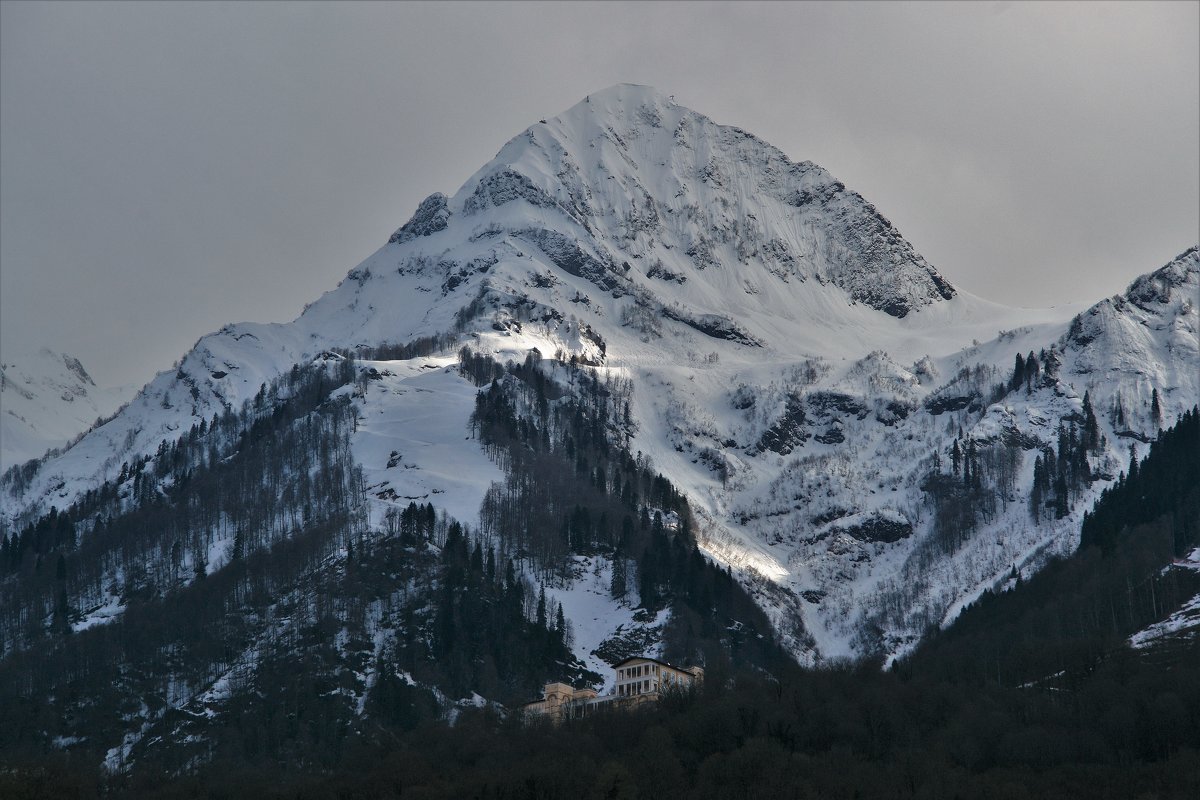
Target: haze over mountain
x,y
865,447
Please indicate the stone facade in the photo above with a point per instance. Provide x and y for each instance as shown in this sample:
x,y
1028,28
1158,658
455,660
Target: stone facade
x,y
638,680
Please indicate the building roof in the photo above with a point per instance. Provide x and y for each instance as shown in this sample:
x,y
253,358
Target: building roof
x,y
648,658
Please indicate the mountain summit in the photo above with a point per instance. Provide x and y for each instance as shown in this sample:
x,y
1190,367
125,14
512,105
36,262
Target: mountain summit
x,y
46,399
860,442
647,179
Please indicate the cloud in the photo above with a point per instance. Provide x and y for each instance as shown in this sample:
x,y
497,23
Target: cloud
x,y
168,168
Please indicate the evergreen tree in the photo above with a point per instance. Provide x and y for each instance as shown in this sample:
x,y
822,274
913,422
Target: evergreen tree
x,y
61,620
647,581
618,585
239,544
1064,454
1036,494
1018,376
1091,427
1060,497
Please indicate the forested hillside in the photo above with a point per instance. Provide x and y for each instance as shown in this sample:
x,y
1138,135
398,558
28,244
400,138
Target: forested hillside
x,y
1031,693
1058,626
281,634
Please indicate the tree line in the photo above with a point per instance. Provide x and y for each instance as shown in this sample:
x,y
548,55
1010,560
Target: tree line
x,y
573,488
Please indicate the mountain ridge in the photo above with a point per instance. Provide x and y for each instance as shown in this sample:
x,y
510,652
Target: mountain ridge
x,y
47,399
797,365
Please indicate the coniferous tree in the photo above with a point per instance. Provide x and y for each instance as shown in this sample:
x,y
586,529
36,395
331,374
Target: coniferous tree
x,y
1091,427
477,561
1032,370
1018,376
647,580
541,608
61,621
1036,493
1061,508
618,586
239,544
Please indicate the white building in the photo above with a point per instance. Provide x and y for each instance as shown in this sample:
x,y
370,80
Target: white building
x,y
640,676
638,680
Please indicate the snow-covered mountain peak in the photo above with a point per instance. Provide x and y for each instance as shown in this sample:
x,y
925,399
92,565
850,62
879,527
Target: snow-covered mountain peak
x,y
631,102
46,399
673,194
1165,298
625,220
1178,279
44,367
1127,346
797,369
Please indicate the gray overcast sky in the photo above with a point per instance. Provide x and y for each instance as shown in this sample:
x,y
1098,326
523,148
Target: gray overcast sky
x,y
166,168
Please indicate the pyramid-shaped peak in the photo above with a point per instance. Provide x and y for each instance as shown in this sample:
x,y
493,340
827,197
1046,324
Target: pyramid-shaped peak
x,y
630,102
625,95
645,180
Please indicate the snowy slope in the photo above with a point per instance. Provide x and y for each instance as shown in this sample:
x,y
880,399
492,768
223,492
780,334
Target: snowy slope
x,y
47,399
649,183
796,364
412,439
1126,346
1183,624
